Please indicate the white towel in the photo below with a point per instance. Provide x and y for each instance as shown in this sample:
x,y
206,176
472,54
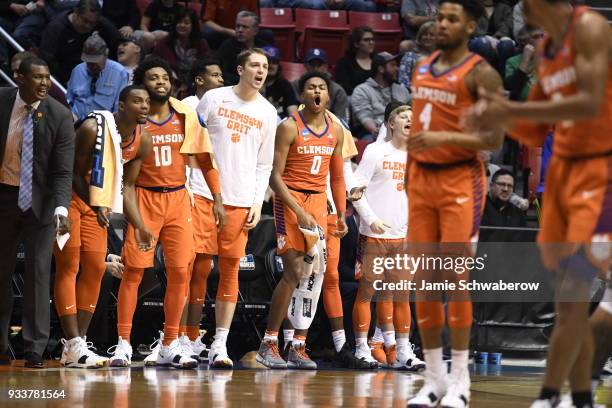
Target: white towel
x,y
303,305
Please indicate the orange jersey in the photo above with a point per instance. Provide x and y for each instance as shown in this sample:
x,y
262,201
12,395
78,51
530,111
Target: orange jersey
x,y
557,79
129,149
165,166
438,102
308,160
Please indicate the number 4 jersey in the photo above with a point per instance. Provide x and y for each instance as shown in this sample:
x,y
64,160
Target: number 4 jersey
x,y
438,102
309,156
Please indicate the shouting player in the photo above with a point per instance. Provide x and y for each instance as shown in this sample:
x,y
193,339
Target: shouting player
x,y
384,214
574,91
75,301
446,189
241,124
308,148
166,212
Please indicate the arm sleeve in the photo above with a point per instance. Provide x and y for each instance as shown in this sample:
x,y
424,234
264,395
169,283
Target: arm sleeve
x,y
363,175
265,157
336,182
349,177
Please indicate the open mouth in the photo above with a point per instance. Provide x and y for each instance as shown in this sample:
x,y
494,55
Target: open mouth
x,y
317,101
161,89
259,78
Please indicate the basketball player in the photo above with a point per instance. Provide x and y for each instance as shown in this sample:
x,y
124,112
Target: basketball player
x,y
75,301
574,91
241,124
446,190
166,212
384,215
308,148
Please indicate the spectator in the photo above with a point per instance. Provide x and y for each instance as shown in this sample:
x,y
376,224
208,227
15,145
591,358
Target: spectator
x,y
220,18
63,39
159,17
247,26
129,54
11,13
183,46
125,15
351,5
316,60
371,98
425,45
205,75
54,91
518,19
499,212
40,12
520,73
277,90
500,22
356,66
96,83
415,13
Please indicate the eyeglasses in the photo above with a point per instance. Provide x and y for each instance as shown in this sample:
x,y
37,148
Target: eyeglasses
x,y
504,185
369,39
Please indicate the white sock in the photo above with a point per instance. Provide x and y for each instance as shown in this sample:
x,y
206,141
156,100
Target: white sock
x,y
389,338
288,336
298,342
378,336
403,345
459,361
339,339
221,335
271,337
362,343
433,359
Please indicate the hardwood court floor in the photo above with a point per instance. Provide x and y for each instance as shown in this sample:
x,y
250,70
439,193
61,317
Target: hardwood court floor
x,y
251,388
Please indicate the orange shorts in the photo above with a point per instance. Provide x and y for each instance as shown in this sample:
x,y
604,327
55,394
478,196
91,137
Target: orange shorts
x,y
288,234
577,206
85,232
168,217
332,242
231,241
370,250
445,204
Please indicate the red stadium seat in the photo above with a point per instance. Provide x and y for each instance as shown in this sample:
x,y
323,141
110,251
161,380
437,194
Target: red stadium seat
x,y
319,18
142,5
292,70
276,16
386,26
332,40
197,7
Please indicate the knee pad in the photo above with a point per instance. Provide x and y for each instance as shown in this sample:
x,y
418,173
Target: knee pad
x,y
228,279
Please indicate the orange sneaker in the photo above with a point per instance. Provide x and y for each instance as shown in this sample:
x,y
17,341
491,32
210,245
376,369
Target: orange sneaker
x,y
391,353
378,352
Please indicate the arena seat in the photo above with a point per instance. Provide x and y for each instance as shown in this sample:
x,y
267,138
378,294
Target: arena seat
x,y
276,17
386,26
280,22
319,18
331,39
292,70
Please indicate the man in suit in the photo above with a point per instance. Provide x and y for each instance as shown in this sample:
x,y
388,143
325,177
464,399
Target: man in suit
x,y
36,157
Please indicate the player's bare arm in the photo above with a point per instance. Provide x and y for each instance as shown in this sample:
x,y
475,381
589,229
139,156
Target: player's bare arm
x,y
211,175
84,144
130,205
285,136
593,47
486,77
336,174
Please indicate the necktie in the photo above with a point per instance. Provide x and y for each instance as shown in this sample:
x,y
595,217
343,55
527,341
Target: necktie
x,y
27,158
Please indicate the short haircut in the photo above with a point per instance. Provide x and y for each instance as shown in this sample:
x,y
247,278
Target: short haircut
x,y
246,13
313,74
391,106
501,172
398,110
473,8
85,6
150,63
26,64
200,65
126,91
242,58
356,35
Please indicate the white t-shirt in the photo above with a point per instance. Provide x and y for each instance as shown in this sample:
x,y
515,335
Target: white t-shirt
x,y
382,134
381,170
242,134
192,101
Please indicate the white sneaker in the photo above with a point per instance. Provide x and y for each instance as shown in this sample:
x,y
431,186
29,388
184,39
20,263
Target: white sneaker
x,y
121,354
544,403
77,354
217,356
200,349
188,347
365,354
430,393
151,359
458,391
175,355
607,368
406,360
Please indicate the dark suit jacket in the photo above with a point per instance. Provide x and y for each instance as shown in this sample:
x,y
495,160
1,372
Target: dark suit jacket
x,y
53,153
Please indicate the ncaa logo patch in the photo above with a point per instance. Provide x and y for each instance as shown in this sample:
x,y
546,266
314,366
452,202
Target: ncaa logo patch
x,y
423,69
281,241
305,132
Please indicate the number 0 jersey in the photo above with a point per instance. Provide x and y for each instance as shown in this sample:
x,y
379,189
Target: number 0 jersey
x,y
309,156
438,102
165,166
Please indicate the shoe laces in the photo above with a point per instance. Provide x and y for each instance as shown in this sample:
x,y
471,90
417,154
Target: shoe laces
x,y
157,341
185,345
119,348
273,348
301,352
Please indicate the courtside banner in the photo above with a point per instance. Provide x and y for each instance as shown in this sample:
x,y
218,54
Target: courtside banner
x,y
483,272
